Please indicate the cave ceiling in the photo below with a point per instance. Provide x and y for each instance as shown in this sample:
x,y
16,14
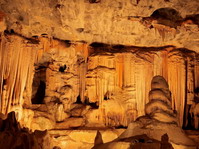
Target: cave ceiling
x,y
127,22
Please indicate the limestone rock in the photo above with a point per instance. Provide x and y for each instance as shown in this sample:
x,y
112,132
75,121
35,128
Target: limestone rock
x,y
157,123
13,136
60,113
42,123
111,81
70,123
159,106
2,22
159,23
81,138
79,110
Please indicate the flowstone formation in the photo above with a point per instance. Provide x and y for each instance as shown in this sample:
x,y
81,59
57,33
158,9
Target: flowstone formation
x,y
159,121
61,86
159,106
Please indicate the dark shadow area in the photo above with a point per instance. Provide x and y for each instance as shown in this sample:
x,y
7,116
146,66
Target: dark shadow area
x,y
190,121
167,13
193,19
94,105
39,85
62,68
40,94
94,1
78,101
106,97
167,16
98,45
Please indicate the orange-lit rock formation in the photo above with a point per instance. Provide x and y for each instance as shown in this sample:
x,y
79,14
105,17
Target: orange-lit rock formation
x,y
159,119
47,81
75,67
13,136
147,23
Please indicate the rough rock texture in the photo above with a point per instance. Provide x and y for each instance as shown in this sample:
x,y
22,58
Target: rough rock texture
x,y
158,22
88,64
12,136
119,76
47,81
135,142
155,124
74,139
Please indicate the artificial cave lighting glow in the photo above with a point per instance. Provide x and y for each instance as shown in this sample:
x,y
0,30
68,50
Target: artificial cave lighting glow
x,y
99,74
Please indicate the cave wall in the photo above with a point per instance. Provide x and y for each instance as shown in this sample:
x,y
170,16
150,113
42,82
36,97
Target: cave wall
x,y
76,66
124,74
95,85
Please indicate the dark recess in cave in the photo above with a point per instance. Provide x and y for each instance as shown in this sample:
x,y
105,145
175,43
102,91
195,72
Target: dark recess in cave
x,y
167,16
94,1
39,84
62,68
67,43
40,94
106,96
98,44
94,105
190,120
78,101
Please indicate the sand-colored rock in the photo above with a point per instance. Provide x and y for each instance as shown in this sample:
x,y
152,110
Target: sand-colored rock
x,y
119,22
42,123
82,138
88,65
13,136
70,123
102,78
155,125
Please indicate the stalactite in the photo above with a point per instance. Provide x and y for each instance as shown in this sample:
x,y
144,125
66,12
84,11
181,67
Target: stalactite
x,y
119,69
118,78
176,65
133,71
16,60
143,72
82,76
164,30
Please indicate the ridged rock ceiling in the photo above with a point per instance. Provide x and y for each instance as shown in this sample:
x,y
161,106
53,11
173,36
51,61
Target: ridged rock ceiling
x,y
129,22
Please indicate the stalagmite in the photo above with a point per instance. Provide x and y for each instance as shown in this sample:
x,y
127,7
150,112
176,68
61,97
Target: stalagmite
x,y
157,122
95,67
96,77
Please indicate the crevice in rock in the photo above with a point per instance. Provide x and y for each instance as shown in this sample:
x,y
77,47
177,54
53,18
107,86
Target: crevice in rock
x,y
78,101
94,1
62,68
39,85
106,96
40,94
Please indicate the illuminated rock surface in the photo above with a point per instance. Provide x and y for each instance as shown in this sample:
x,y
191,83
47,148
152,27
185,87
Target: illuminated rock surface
x,y
59,85
155,124
87,65
114,22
